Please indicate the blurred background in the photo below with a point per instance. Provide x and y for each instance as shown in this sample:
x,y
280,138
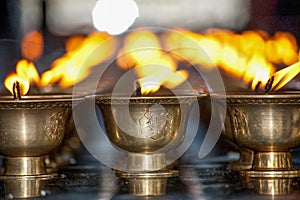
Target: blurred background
x,y
60,19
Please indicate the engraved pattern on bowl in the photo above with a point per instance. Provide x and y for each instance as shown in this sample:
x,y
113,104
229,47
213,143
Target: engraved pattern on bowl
x,y
157,125
264,122
33,126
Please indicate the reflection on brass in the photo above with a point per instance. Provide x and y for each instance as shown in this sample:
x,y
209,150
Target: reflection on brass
x,y
23,188
269,125
30,129
246,155
271,186
272,160
145,162
245,161
24,166
160,121
66,153
158,126
149,183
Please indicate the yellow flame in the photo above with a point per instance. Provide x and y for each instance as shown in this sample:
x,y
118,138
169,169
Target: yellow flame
x,y
175,78
74,42
11,79
193,47
250,55
284,76
154,67
258,70
252,42
26,73
143,47
282,48
82,54
27,69
149,84
78,62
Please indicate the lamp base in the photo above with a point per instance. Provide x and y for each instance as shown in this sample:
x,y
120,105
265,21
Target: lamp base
x,y
24,177
271,174
148,183
270,186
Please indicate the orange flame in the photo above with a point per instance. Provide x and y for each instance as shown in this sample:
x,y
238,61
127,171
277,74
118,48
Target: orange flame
x,y
186,44
32,45
251,56
154,67
27,69
74,42
79,60
258,70
12,79
26,73
282,48
83,53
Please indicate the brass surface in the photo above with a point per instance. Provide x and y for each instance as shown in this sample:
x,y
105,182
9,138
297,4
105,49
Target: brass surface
x,y
271,186
145,162
149,183
30,129
147,187
268,125
272,161
24,166
160,124
23,188
17,186
157,125
270,173
246,155
245,161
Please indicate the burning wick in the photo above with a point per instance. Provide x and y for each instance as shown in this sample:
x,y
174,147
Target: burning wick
x,y
137,88
257,86
269,85
17,90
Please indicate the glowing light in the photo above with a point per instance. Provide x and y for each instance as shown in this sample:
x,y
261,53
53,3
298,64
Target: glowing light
x,y
26,73
284,76
79,60
250,56
153,67
32,45
114,16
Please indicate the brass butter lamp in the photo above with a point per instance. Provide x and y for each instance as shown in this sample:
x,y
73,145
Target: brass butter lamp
x,y
30,129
